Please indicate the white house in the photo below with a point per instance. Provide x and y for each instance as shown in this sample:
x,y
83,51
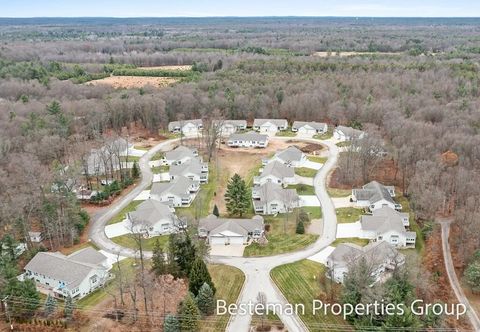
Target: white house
x,y
248,140
223,231
291,156
270,126
276,172
186,127
271,198
194,169
309,128
342,133
179,155
75,275
375,195
178,193
386,224
35,237
379,256
228,127
153,218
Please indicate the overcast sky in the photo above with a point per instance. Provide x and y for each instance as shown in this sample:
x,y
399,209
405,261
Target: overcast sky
x,y
198,8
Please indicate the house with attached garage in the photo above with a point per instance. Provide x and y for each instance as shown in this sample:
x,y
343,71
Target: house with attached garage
x,y
309,128
153,218
342,133
379,256
75,275
272,198
186,127
179,155
225,231
270,126
248,140
375,195
291,156
178,193
386,224
193,169
276,172
228,127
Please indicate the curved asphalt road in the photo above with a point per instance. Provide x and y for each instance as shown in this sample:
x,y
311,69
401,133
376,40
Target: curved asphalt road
x,y
256,270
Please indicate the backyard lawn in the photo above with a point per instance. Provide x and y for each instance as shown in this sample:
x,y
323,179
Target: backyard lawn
x,y
316,159
303,189
228,281
286,133
147,244
303,282
327,135
348,215
305,171
314,212
336,192
414,226
354,240
122,214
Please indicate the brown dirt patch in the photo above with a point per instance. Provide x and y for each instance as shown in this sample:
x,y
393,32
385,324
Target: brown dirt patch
x,y
129,82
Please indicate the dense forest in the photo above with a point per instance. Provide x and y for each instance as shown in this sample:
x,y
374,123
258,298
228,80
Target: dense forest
x,y
414,84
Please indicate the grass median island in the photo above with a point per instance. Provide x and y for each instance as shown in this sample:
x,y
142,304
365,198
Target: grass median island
x,y
301,283
316,159
123,214
128,241
302,189
348,215
228,281
306,172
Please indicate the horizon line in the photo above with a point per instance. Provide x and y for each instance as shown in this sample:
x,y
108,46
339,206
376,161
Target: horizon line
x,y
228,16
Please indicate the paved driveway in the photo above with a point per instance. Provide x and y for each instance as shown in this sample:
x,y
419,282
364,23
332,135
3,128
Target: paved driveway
x,y
232,250
112,258
309,200
304,180
162,177
321,256
353,229
143,196
117,229
341,202
136,153
312,164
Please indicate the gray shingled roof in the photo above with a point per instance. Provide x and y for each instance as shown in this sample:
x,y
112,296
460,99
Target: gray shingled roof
x,y
149,212
373,192
173,124
249,136
383,220
215,225
180,187
349,131
272,191
88,255
278,122
180,152
61,267
292,153
278,170
193,166
316,125
236,123
377,252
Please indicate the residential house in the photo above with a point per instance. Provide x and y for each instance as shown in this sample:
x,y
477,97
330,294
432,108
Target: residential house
x,y
106,159
309,128
380,257
225,231
153,218
35,237
291,156
276,172
179,155
375,195
75,275
386,224
178,193
194,170
271,198
228,127
343,133
270,126
186,127
248,140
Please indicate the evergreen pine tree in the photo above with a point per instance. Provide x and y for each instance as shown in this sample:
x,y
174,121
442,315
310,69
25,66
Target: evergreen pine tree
x,y
300,228
215,210
135,170
158,260
237,196
198,276
69,306
171,324
205,299
50,305
189,314
184,252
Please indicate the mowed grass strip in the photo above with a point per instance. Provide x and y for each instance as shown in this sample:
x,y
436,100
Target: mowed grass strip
x,y
337,192
123,214
306,172
353,240
348,215
300,284
302,189
128,241
228,281
316,159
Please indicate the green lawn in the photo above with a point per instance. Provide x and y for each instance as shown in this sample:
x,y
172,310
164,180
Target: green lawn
x,y
127,241
414,226
315,212
129,158
72,249
228,281
122,214
143,148
286,133
281,237
251,174
303,282
348,214
157,156
327,135
336,192
306,172
344,144
160,169
354,240
303,189
316,159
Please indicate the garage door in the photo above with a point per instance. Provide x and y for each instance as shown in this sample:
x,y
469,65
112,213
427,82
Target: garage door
x,y
215,240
